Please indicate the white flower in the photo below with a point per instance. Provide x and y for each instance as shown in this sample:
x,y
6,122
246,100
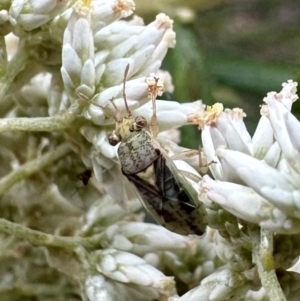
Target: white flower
x,y
128,268
263,190
253,207
32,97
108,11
170,114
97,287
78,70
285,126
143,51
218,286
105,212
141,238
31,14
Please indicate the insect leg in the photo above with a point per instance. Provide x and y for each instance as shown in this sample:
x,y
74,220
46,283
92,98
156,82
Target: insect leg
x,y
203,164
185,155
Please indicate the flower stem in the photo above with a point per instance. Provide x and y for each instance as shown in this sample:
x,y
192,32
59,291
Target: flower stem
x,y
38,124
14,67
262,243
32,167
43,239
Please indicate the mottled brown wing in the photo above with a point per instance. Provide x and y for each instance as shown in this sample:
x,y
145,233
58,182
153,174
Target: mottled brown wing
x,y
179,197
150,198
168,203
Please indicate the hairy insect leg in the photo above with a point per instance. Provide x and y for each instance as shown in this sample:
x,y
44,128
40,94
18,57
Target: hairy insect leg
x,y
118,117
203,164
185,155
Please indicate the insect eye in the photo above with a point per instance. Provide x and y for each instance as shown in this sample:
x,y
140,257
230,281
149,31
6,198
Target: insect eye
x,y
140,122
113,139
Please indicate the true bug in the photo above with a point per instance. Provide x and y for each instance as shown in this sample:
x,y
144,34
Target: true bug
x,y
164,191
85,176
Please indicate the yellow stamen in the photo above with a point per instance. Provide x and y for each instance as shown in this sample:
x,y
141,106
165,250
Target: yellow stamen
x,y
87,3
213,112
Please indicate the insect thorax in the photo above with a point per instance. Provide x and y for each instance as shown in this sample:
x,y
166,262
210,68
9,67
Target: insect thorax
x,y
137,153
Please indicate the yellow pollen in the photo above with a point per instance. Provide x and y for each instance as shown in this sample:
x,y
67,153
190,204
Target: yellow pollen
x,y
213,112
87,3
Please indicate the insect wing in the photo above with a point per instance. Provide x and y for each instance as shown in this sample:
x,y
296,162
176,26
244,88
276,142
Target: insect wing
x,y
170,213
198,216
85,177
150,199
168,203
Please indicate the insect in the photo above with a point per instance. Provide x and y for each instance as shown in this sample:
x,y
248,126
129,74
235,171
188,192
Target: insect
x,y
85,177
164,191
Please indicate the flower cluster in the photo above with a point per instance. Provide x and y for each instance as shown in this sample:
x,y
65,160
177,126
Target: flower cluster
x,y
256,179
61,88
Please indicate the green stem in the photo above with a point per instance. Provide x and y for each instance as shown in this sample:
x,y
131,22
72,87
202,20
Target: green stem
x,y
32,167
14,67
42,239
29,289
38,124
262,242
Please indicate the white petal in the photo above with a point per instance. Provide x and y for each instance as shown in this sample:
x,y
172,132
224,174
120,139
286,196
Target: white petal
x,y
82,39
68,83
124,258
239,200
108,264
263,138
88,74
170,114
230,134
143,238
273,155
288,93
97,115
97,288
210,152
71,62
236,117
114,72
155,31
265,180
123,48
137,275
116,33
286,130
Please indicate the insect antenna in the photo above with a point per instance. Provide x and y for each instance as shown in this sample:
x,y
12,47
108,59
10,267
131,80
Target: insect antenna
x,y
153,122
124,90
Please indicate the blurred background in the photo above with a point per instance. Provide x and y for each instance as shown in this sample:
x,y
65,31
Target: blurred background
x,y
233,52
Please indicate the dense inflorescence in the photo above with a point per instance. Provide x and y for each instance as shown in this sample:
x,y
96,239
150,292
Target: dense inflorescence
x,y
61,79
